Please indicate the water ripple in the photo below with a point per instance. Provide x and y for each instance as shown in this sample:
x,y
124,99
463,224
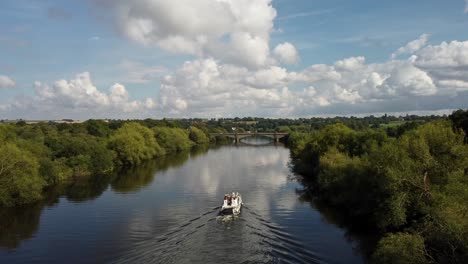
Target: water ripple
x,y
249,238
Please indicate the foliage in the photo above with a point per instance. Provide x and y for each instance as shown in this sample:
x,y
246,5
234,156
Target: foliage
x,y
400,248
460,121
56,153
417,181
134,143
83,153
198,136
20,182
97,128
55,171
172,140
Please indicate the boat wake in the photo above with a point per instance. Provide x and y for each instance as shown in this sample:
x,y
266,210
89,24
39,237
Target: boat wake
x,y
209,238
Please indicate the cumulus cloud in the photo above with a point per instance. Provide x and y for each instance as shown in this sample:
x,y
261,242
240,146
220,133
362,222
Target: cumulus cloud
x,y
77,96
287,53
445,55
435,77
350,64
236,31
412,46
209,88
6,82
409,80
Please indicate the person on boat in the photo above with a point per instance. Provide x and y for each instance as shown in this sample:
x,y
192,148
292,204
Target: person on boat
x,y
234,202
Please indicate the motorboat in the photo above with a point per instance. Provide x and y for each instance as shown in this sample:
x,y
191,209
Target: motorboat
x,y
232,204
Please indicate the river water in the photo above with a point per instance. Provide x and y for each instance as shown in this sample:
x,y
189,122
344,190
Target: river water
x,y
165,211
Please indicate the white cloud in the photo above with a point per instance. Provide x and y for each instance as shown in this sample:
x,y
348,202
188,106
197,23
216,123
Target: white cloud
x,y
287,53
453,54
210,88
235,31
430,79
351,64
273,77
435,77
77,96
454,84
409,80
412,46
6,82
466,6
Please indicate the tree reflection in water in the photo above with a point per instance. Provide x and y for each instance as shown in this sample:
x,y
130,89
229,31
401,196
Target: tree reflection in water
x,y
357,233
18,224
136,178
21,223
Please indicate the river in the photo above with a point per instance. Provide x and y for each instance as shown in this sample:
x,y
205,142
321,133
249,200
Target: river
x,y
165,211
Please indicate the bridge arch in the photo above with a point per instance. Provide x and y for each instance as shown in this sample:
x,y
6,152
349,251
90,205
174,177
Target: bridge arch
x,y
276,136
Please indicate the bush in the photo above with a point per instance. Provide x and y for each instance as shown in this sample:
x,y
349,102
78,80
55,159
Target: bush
x,y
134,143
20,182
172,140
198,136
54,172
400,248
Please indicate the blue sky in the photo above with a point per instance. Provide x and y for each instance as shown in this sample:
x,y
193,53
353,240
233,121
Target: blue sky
x,y
42,42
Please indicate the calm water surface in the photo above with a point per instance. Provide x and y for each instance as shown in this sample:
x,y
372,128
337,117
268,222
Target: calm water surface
x,y
165,212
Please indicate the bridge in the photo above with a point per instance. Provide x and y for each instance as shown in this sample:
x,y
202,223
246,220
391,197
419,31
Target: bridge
x,y
276,136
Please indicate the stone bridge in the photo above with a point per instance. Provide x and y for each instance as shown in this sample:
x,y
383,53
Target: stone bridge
x,y
276,136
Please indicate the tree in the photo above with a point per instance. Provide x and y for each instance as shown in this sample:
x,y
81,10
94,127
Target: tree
x,y
134,143
20,182
198,136
97,128
460,121
55,171
172,139
400,248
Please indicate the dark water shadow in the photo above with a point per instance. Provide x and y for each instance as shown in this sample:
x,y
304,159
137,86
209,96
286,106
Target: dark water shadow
x,y
86,189
18,224
198,150
21,223
134,179
363,238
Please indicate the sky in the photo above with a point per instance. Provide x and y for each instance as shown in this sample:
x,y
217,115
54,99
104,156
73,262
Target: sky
x,y
85,59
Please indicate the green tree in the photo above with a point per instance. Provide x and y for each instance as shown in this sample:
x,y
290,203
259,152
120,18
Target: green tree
x,y
172,140
400,248
198,136
20,182
460,121
134,143
55,171
97,128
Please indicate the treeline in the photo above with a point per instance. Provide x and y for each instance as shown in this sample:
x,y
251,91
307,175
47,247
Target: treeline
x,y
38,156
315,123
412,187
20,223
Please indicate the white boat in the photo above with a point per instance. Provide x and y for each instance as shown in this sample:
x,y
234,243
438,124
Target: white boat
x,y
232,204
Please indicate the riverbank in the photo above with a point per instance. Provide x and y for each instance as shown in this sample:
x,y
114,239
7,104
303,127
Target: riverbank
x,y
412,190
165,211
41,156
